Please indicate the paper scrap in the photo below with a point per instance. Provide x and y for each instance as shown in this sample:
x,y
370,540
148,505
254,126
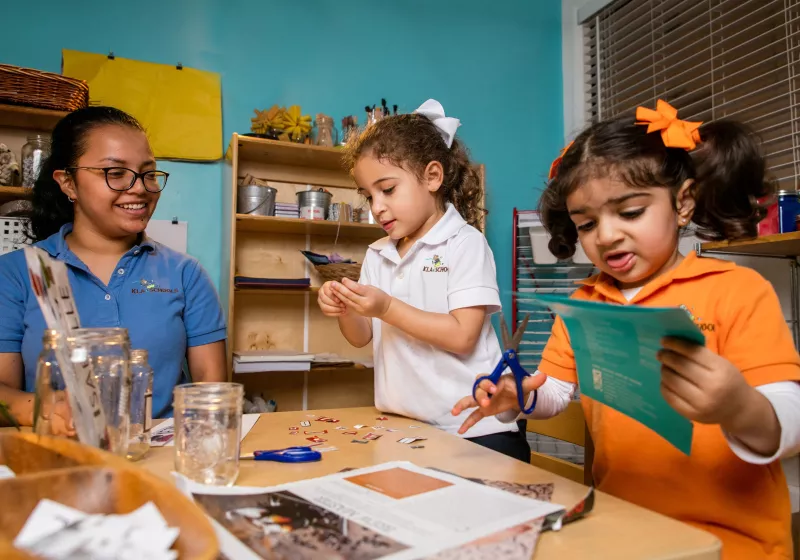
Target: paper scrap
x,y
372,437
359,441
56,531
311,433
326,449
293,428
359,426
305,423
351,432
417,447
163,435
408,440
5,472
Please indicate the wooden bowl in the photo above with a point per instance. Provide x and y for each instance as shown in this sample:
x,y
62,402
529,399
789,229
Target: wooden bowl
x,y
92,481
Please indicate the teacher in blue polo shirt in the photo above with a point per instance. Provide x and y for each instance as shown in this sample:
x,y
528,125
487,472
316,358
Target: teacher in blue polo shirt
x,y
91,205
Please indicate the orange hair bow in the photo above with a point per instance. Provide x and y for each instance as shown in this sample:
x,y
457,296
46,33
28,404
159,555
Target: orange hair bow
x,y
557,162
674,132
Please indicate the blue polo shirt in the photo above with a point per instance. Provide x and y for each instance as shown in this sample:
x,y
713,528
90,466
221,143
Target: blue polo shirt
x,y
164,298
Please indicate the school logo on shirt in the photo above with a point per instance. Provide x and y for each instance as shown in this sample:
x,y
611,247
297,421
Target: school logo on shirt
x,y
149,286
705,327
437,264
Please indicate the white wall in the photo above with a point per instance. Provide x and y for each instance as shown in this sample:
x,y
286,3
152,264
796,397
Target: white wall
x,y
774,270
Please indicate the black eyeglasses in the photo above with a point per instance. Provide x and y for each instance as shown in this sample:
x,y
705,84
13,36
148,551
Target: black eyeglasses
x,y
123,179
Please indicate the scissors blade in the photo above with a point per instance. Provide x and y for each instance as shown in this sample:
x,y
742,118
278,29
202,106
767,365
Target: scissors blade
x,y
504,332
518,334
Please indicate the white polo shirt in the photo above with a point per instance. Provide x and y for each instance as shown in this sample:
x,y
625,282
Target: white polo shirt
x,y
451,267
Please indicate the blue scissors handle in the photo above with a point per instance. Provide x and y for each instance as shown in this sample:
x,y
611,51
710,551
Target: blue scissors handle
x,y
510,360
288,455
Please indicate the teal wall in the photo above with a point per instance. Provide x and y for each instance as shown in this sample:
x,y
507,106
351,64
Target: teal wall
x,y
496,66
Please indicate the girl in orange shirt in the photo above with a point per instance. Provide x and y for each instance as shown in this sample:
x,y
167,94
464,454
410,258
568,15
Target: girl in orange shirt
x,y
625,189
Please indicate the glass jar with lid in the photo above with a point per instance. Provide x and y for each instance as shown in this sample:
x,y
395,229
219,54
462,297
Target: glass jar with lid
x,y
34,152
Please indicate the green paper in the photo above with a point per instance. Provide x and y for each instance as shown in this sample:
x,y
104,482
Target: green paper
x,y
615,350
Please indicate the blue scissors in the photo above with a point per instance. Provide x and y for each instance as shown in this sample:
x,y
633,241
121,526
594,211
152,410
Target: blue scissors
x,y
510,360
289,455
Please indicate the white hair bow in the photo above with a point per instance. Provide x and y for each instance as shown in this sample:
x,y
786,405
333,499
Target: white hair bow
x,y
435,112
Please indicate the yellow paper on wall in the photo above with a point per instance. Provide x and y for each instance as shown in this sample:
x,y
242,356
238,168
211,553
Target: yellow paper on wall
x,y
181,109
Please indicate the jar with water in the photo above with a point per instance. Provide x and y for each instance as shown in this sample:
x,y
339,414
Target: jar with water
x,y
52,413
141,405
208,426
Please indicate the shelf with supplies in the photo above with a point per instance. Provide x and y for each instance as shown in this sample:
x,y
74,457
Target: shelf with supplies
x,y
14,193
290,162
29,118
272,224
778,245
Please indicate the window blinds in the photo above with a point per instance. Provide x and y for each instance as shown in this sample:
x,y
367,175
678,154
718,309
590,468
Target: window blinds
x,y
710,59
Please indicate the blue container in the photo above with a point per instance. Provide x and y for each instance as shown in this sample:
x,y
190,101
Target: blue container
x,y
788,209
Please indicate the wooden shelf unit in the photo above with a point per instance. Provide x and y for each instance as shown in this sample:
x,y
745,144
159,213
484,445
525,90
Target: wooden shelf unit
x,y
14,193
29,118
269,247
778,245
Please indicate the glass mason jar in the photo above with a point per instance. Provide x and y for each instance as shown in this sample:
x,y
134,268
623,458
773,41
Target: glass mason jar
x,y
107,352
208,427
324,133
141,417
52,412
34,152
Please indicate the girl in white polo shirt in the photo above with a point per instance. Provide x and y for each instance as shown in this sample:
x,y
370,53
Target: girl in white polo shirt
x,y
427,290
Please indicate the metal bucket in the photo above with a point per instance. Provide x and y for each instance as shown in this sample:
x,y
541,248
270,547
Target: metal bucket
x,y
314,204
256,200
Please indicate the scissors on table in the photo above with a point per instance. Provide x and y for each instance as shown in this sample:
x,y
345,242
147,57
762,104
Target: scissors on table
x,y
510,360
288,455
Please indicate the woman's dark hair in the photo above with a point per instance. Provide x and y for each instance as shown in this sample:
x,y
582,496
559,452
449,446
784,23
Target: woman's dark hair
x,y
727,167
412,141
51,208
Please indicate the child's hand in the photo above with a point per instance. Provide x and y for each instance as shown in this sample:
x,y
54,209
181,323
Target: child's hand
x,y
330,305
367,301
699,384
504,398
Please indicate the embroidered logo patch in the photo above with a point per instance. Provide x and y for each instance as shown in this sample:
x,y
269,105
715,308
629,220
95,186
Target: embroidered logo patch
x,y
705,327
149,286
436,264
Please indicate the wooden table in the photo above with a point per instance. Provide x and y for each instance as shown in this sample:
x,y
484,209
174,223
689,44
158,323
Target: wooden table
x,y
615,529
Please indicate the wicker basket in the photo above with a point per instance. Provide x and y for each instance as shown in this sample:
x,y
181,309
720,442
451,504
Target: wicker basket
x,y
34,88
338,271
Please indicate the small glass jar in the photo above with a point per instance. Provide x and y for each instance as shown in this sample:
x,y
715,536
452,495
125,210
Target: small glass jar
x,y
34,152
105,353
324,133
141,405
208,428
52,412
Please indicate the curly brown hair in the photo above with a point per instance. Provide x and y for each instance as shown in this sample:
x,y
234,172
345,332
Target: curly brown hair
x,y
729,172
412,141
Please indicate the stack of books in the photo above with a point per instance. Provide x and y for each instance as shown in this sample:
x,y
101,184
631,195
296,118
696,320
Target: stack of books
x,y
287,210
256,361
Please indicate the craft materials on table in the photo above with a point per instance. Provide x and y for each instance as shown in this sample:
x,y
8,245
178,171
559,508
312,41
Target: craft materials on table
x,y
615,353
56,531
396,510
289,455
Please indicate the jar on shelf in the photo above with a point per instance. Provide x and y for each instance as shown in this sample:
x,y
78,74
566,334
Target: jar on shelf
x,y
34,152
324,133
